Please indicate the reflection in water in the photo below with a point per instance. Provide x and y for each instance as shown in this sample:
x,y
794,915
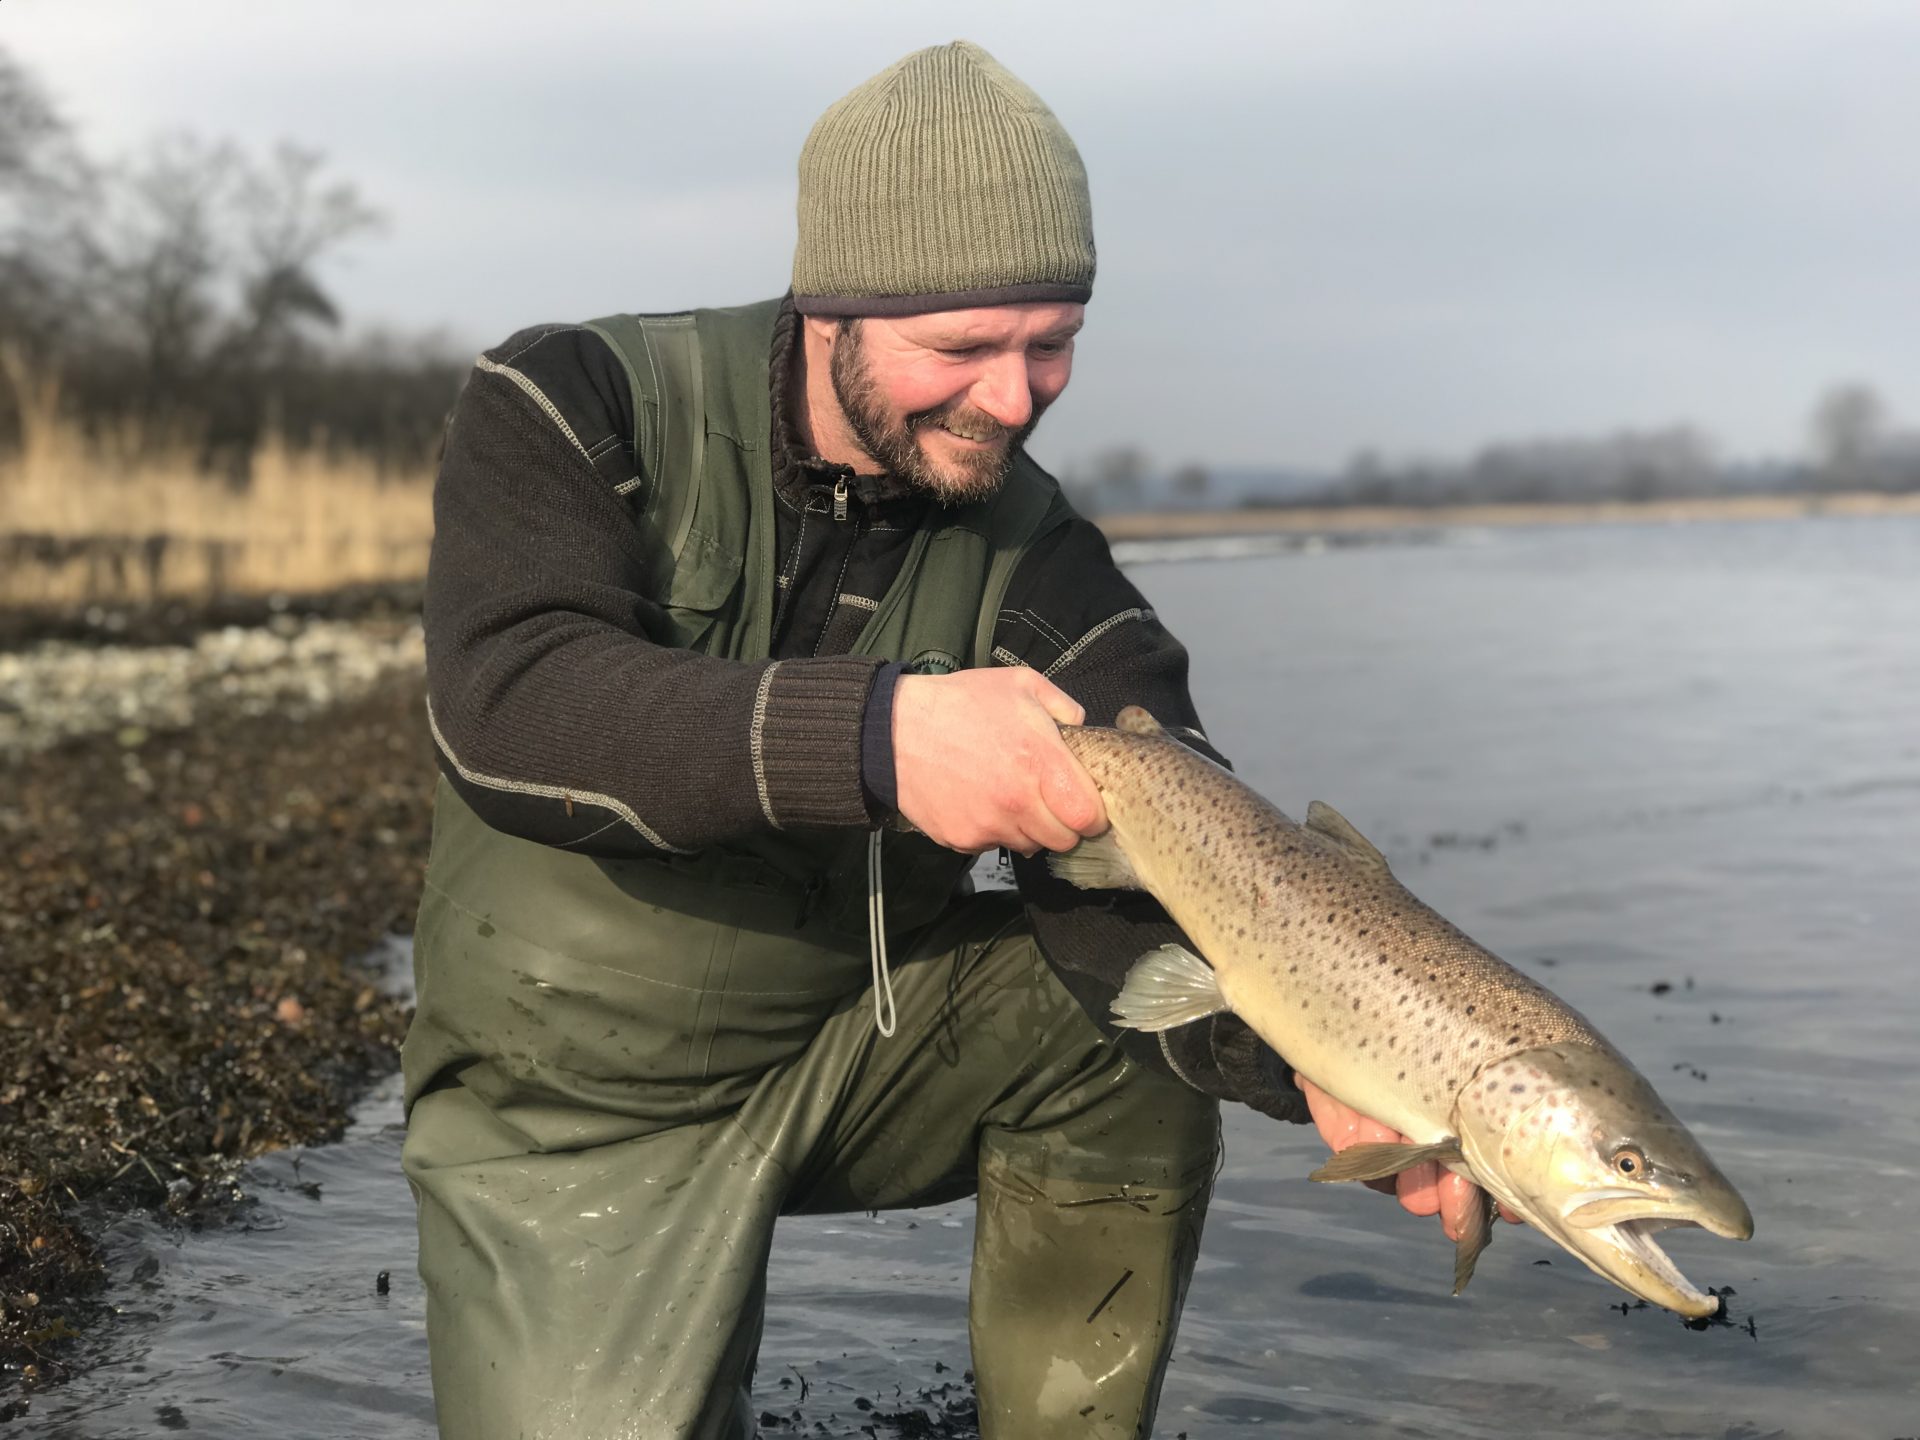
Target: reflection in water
x,y
1691,756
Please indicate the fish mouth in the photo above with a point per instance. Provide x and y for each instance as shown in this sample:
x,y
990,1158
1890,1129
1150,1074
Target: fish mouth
x,y
1634,1238
1622,1249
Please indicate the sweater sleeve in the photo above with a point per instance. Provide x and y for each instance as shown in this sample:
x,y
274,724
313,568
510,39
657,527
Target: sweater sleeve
x,y
553,713
1073,615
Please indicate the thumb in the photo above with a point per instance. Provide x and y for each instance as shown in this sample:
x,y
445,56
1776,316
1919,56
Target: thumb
x,y
1062,707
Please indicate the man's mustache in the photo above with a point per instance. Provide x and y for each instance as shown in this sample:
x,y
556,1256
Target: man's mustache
x,y
964,421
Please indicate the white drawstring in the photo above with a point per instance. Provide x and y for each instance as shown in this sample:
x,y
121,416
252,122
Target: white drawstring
x,y
885,1020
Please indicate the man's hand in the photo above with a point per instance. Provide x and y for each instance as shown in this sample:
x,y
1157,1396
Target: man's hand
x,y
1425,1189
979,762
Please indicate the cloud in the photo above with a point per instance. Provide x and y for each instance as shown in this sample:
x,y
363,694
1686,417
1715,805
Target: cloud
x,y
1321,226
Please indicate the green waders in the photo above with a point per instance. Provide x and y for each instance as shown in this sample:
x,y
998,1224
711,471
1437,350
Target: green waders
x,y
621,1072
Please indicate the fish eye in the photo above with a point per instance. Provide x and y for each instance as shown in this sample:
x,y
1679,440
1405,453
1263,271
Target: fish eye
x,y
1629,1163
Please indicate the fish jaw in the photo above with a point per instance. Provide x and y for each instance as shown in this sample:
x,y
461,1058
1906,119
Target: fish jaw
x,y
1549,1131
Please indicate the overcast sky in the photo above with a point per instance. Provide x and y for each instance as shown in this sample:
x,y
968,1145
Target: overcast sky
x,y
1322,224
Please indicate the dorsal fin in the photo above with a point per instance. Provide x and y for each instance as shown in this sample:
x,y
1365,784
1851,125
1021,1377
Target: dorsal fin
x,y
1136,721
1336,827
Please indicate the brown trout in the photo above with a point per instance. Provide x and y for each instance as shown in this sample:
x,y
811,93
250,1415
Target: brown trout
x,y
1310,939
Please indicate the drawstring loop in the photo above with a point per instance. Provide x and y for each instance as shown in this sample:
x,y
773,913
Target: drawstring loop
x,y
886,1020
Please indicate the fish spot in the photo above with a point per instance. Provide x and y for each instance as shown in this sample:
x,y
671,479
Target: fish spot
x,y
1517,1088
1401,1076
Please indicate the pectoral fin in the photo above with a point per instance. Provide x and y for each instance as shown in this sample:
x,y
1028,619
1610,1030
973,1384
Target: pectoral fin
x,y
1096,864
1387,1157
1476,1233
1168,987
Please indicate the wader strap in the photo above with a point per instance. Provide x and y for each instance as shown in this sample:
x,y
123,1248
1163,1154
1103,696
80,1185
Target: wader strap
x,y
661,354
1027,514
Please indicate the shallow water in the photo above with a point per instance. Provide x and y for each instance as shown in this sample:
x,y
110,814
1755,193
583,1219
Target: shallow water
x,y
1622,757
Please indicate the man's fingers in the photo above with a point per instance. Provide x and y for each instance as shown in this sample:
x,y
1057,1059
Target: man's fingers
x,y
1424,1189
1071,798
1458,1196
1419,1188
1046,832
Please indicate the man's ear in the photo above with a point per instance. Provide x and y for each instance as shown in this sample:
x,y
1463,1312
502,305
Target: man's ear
x,y
825,329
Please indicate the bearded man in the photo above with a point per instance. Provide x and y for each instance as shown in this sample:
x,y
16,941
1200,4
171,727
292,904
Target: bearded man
x,y
747,629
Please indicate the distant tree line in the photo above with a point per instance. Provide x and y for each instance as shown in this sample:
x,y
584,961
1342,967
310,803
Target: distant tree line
x,y
1853,446
174,299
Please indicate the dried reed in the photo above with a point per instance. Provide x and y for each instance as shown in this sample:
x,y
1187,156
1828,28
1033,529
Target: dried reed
x,y
102,520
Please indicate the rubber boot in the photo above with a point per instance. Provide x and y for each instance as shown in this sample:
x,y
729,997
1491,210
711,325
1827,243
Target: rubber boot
x,y
1076,1296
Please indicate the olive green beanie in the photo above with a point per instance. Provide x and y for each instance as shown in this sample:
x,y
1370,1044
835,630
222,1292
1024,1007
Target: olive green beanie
x,y
941,183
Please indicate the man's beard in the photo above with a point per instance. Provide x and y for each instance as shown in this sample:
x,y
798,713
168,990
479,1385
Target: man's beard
x,y
971,475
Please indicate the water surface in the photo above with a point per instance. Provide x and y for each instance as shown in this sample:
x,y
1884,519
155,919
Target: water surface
x,y
1623,757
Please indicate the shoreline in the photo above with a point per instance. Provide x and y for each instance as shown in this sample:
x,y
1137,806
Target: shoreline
x,y
1339,519
184,917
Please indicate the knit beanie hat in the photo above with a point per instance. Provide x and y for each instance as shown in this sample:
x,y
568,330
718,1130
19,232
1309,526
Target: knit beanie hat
x,y
941,183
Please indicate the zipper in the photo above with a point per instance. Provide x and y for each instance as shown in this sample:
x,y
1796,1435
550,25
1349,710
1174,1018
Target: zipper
x,y
840,498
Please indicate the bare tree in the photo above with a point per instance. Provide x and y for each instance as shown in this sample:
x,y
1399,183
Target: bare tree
x,y
292,218
1119,477
47,194
1191,483
1848,424
165,254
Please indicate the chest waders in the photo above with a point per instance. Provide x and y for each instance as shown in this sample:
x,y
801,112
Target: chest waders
x,y
621,1072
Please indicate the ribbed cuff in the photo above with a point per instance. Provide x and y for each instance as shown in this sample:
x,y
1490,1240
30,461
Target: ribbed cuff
x,y
807,721
876,744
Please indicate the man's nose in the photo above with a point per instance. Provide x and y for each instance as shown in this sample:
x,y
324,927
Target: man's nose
x,y
1005,391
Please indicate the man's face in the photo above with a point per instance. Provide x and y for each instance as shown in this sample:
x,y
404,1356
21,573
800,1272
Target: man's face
x,y
943,400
